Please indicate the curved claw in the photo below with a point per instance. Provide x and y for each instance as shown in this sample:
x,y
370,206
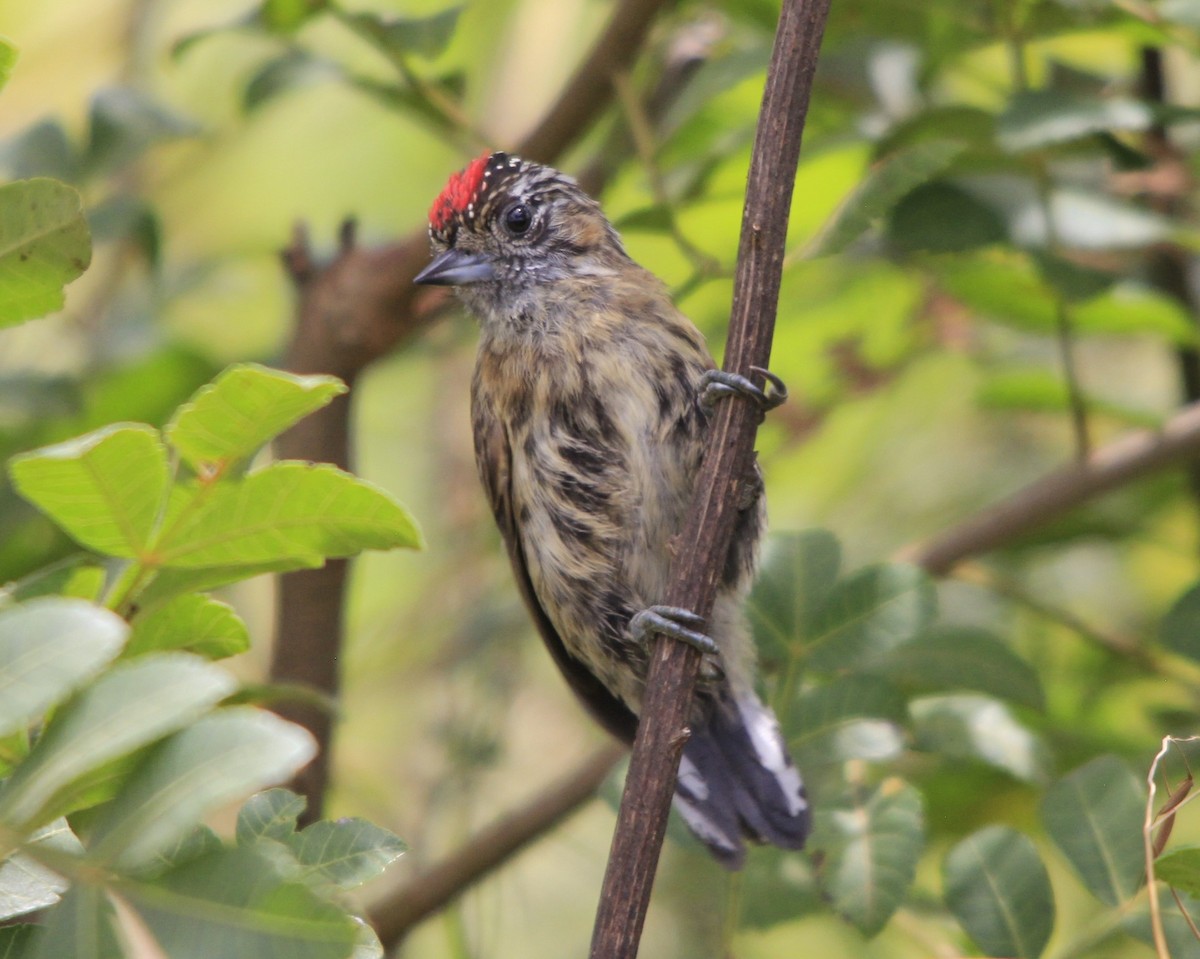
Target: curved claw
x,y
675,622
717,384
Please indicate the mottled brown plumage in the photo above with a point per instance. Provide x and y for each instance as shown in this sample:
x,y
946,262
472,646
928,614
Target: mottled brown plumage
x,y
589,432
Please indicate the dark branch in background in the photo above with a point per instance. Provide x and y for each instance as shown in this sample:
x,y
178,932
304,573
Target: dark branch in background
x,y
1120,462
351,312
1168,262
430,890
704,543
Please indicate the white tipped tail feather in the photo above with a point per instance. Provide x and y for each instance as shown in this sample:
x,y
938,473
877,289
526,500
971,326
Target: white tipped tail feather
x,y
736,780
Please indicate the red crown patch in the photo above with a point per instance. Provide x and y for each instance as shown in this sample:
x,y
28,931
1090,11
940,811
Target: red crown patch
x,y
458,193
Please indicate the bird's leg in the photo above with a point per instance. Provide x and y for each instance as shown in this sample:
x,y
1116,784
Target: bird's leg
x,y
717,384
683,625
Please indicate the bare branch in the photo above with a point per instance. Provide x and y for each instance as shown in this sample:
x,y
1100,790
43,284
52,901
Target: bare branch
x,y
704,543
430,890
1110,467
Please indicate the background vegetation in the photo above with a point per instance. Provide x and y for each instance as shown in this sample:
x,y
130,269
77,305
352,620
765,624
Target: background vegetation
x,y
990,283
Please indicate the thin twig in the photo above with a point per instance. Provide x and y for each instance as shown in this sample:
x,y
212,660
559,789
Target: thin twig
x,y
430,890
1107,468
704,542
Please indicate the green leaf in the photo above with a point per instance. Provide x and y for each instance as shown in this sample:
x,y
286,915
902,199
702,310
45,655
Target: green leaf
x,y
170,583
1180,869
8,60
1094,815
235,902
25,884
367,946
128,707
883,187
869,612
218,758
48,647
287,511
82,926
870,843
949,658
192,622
1000,892
797,573
1180,935
398,37
270,814
777,886
967,726
943,218
287,16
1180,629
345,853
851,717
290,70
244,408
44,245
1036,119
105,488
16,941
124,123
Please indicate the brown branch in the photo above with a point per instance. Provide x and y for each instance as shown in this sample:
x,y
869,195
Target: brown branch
x,y
1129,458
429,890
354,311
704,543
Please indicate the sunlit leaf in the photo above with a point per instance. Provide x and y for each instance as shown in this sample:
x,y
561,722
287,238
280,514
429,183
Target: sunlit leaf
x,y
242,409
1036,119
193,622
345,853
960,658
870,843
128,707
48,647
997,887
8,60
869,612
1180,868
105,488
44,245
968,726
285,511
270,814
235,902
25,884
216,759
882,188
1094,815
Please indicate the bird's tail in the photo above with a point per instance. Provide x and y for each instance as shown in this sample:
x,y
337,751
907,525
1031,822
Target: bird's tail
x,y
736,780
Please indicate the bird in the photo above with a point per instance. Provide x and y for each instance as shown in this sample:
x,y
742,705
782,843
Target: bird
x,y
591,400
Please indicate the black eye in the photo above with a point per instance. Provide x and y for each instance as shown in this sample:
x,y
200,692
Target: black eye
x,y
517,219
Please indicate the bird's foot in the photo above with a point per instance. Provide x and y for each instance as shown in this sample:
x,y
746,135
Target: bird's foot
x,y
683,625
717,384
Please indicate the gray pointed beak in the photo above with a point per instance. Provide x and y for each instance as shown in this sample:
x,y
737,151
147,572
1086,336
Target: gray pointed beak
x,y
456,267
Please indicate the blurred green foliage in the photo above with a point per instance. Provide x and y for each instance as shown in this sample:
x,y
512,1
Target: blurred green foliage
x,y
990,264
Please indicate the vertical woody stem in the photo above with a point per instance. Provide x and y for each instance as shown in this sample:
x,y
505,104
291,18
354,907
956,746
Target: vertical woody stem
x,y
705,541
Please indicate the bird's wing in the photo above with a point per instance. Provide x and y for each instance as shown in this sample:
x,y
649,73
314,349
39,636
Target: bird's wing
x,y
493,455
